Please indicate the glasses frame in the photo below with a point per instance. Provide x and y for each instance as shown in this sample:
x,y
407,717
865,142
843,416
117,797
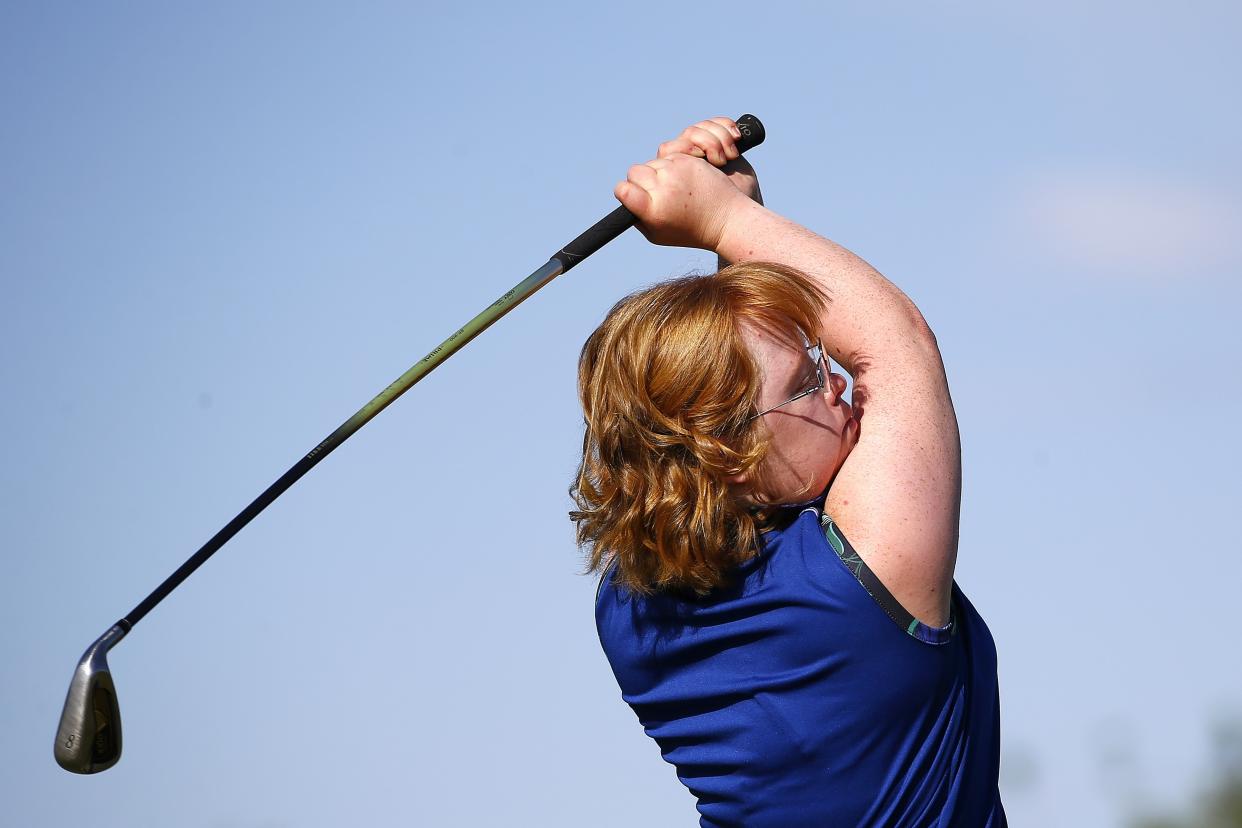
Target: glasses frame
x,y
822,372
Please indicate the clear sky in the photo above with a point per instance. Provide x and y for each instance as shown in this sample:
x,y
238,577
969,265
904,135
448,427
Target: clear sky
x,y
225,226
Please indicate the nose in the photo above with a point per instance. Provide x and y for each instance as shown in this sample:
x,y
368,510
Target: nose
x,y
837,383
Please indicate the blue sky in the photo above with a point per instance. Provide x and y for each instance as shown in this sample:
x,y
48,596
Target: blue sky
x,y
225,227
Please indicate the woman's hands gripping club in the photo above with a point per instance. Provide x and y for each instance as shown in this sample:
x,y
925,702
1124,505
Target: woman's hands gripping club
x,y
696,186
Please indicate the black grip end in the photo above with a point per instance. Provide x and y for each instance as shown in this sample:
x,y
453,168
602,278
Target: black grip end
x,y
752,131
621,219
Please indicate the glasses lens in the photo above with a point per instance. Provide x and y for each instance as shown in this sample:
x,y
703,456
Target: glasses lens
x,y
817,354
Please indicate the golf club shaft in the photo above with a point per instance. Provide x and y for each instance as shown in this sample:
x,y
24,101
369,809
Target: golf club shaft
x,y
567,257
343,432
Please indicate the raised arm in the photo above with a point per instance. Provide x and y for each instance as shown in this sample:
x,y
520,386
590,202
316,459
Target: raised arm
x,y
897,496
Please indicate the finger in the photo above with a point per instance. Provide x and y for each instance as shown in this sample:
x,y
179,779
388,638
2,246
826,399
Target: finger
x,y
709,142
729,124
679,145
644,175
635,198
724,134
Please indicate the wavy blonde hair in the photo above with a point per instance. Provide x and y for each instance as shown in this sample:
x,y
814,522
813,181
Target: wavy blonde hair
x,y
668,388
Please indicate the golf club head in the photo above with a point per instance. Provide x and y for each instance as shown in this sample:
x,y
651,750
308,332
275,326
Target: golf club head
x,y
89,737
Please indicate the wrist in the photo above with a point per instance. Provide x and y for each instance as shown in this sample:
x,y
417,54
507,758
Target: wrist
x,y
736,233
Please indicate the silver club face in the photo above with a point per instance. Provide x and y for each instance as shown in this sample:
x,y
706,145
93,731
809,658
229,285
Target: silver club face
x,y
88,739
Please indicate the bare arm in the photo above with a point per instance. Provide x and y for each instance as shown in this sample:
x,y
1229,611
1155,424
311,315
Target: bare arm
x,y
743,177
898,494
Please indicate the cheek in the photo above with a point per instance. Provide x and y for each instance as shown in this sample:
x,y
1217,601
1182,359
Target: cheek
x,y
819,441
834,434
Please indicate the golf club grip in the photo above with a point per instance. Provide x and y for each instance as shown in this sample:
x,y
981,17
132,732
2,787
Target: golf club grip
x,y
621,219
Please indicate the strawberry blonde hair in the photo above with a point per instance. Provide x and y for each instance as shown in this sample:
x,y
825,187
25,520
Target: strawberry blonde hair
x,y
668,388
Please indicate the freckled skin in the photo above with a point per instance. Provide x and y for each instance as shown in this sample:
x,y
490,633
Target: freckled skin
x,y
899,495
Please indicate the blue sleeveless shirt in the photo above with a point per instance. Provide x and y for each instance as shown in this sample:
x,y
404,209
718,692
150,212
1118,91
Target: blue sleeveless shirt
x,y
804,695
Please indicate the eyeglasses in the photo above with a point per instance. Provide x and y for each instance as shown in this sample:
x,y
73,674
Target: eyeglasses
x,y
816,353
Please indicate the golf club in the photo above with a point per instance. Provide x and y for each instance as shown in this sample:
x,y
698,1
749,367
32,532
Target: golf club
x,y
88,739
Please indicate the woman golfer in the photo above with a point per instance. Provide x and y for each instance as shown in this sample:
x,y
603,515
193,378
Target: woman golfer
x,y
777,598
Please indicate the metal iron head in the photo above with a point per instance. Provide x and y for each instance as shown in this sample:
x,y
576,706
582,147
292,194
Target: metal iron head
x,y
88,739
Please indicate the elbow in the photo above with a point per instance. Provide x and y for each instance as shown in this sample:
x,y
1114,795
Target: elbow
x,y
919,330
904,341
894,337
